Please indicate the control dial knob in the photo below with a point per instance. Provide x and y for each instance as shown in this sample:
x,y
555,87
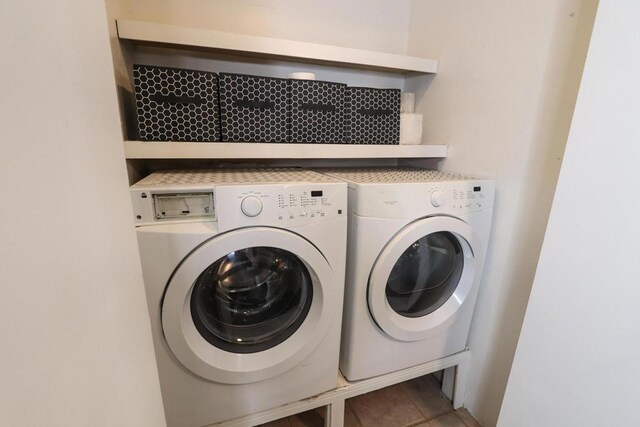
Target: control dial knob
x,y
437,198
251,206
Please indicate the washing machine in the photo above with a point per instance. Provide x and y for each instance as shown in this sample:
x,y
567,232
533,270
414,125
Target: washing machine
x,y
244,277
416,249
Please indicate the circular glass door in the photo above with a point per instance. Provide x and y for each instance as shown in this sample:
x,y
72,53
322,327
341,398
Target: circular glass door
x,y
426,275
422,277
251,299
249,304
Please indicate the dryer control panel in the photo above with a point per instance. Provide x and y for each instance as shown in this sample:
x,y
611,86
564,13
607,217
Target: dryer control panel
x,y
414,200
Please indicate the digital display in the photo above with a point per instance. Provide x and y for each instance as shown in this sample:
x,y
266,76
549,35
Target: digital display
x,y
477,188
316,194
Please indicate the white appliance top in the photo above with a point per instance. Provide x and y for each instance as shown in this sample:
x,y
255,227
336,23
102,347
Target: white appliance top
x,y
178,178
393,175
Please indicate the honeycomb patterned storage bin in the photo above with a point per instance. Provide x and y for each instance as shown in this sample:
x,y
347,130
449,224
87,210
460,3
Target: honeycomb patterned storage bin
x,y
373,116
253,108
317,111
176,105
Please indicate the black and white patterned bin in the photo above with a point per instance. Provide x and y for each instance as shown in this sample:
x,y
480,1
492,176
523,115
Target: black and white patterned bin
x,y
317,111
373,116
176,105
253,108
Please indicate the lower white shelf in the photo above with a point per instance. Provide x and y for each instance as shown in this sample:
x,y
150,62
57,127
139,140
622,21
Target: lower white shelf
x,y
456,370
243,150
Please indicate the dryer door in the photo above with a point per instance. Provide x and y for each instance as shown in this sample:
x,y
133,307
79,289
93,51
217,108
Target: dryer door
x,y
422,277
248,305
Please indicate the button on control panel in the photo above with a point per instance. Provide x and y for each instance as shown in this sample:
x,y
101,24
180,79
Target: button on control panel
x,y
437,198
251,206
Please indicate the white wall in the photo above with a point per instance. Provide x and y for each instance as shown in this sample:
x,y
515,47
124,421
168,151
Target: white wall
x,y
76,341
503,100
367,24
578,358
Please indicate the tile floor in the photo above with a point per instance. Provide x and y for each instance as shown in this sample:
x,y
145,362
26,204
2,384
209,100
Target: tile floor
x,y
415,403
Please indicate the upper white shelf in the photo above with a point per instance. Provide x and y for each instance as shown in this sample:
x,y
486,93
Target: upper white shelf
x,y
239,150
255,46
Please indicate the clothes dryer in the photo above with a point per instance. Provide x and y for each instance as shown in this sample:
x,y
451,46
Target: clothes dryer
x,y
244,276
416,249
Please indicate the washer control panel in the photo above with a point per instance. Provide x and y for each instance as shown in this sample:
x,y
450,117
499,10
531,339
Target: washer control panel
x,y
280,205
242,205
470,198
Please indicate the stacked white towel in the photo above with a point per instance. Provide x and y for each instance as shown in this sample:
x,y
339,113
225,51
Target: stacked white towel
x,y
410,123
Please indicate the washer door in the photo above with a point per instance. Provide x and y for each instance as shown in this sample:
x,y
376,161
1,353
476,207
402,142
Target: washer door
x,y
248,305
422,277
